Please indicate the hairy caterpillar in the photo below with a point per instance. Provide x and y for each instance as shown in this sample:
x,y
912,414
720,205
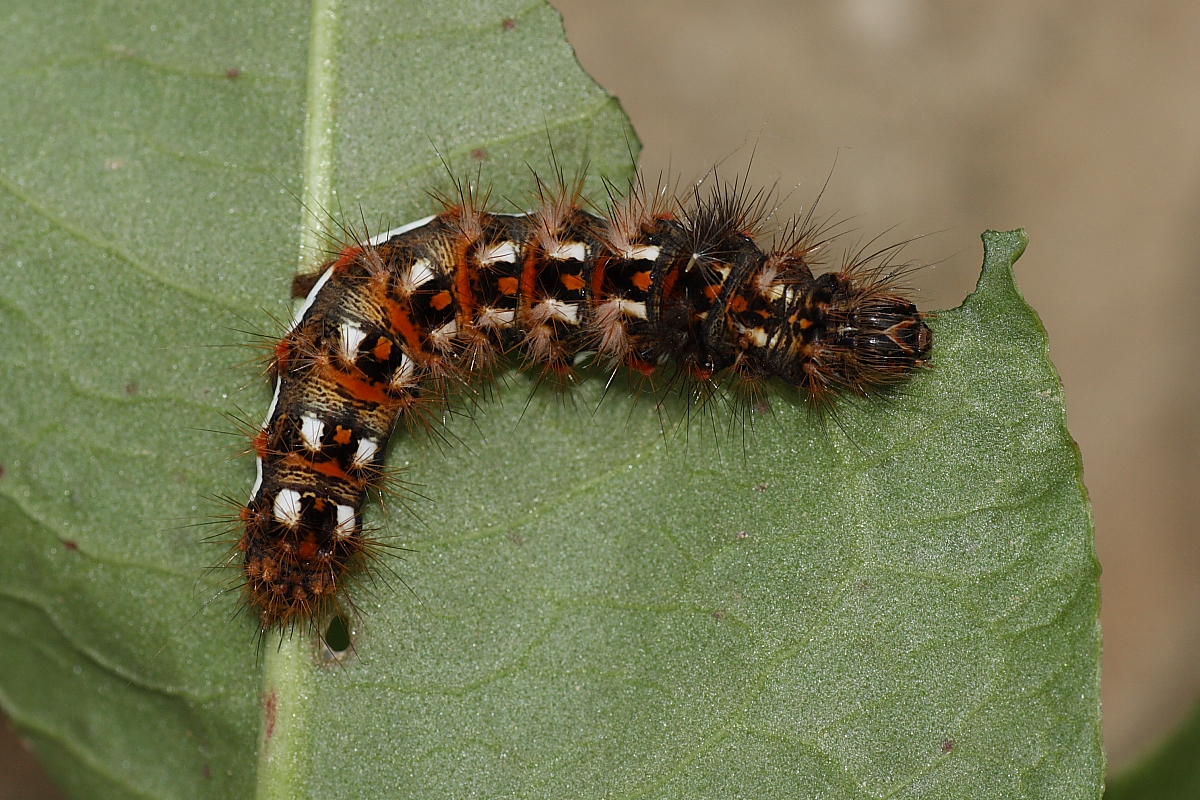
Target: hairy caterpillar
x,y
399,319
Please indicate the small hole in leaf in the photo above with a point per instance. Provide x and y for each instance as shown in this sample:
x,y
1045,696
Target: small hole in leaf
x,y
337,634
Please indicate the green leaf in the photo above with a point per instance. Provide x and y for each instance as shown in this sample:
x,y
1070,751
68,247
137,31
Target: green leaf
x,y
1171,771
900,604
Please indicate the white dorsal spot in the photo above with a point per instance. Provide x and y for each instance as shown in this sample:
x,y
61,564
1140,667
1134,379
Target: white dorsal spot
x,y
569,251
642,252
446,331
504,251
419,274
634,309
287,507
346,522
757,336
365,453
567,312
312,430
404,373
350,336
496,318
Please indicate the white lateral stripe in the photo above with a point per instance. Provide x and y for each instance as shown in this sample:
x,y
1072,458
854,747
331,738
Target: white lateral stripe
x,y
380,238
345,521
287,506
643,252
311,298
419,273
447,330
569,251
367,448
311,431
258,477
351,336
505,251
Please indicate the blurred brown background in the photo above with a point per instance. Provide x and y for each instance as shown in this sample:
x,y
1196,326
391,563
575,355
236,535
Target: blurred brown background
x,y
1077,120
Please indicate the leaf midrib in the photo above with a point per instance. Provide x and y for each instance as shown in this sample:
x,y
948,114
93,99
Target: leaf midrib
x,y
280,772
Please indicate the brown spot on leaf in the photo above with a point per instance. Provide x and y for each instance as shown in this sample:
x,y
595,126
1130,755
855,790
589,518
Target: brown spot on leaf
x,y
271,710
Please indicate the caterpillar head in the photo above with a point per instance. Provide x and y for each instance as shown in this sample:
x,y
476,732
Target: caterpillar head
x,y
847,337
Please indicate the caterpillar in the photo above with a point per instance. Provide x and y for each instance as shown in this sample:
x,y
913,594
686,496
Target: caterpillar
x,y
656,285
